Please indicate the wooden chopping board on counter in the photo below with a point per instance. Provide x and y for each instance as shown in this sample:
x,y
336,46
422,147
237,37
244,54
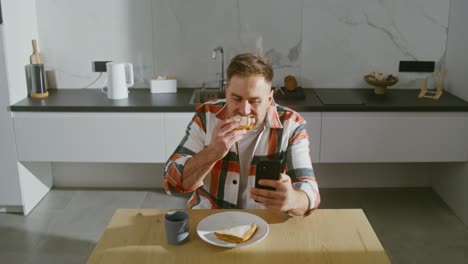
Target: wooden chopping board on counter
x,y
36,57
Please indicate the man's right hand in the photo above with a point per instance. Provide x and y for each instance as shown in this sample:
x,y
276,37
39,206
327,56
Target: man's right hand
x,y
224,136
198,166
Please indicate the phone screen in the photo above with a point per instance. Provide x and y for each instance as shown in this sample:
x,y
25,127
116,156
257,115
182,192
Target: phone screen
x,y
269,170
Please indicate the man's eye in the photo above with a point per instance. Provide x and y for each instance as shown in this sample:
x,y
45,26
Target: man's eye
x,y
237,99
255,101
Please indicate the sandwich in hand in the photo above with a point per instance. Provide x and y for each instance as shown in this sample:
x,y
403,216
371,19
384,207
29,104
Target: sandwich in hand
x,y
247,122
238,234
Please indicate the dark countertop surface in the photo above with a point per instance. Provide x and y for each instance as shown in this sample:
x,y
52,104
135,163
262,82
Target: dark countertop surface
x,y
316,100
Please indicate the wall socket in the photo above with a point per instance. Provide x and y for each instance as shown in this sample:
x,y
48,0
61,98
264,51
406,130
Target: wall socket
x,y
100,66
416,66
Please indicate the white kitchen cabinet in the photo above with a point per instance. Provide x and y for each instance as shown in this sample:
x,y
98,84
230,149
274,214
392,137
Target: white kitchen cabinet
x,y
175,127
394,137
313,126
335,137
90,137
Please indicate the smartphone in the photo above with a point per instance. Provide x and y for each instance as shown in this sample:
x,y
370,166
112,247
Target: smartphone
x,y
269,170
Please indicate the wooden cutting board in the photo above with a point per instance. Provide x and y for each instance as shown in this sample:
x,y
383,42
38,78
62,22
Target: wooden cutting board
x,y
36,57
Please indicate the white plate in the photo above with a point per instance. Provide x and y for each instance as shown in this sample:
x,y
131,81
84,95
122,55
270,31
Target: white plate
x,y
225,220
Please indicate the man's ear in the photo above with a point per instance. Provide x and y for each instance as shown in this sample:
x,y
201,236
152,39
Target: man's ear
x,y
270,97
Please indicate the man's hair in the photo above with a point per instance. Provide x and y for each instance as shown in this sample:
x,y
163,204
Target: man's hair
x,y
249,64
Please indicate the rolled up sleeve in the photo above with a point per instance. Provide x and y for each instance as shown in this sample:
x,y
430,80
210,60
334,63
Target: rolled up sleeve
x,y
300,166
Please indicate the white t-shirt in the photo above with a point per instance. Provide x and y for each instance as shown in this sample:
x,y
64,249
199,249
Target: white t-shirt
x,y
245,148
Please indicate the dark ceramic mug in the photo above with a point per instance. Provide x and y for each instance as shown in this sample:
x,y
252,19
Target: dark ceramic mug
x,y
177,227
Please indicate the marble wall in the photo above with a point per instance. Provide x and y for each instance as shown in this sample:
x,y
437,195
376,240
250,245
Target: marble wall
x,y
326,44
72,34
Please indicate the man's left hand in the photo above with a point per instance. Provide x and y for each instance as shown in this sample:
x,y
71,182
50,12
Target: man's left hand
x,y
284,198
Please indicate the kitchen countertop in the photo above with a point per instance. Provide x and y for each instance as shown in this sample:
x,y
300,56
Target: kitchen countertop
x,y
317,100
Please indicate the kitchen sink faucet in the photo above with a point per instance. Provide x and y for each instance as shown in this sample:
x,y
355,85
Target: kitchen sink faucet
x,y
221,81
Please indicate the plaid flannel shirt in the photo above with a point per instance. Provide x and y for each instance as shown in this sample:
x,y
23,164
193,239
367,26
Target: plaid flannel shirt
x,y
284,137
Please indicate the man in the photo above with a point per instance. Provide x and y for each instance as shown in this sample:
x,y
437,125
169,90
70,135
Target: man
x,y
217,162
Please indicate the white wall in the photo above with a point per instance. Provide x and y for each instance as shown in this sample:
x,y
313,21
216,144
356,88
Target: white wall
x,y
22,186
9,180
72,34
451,180
457,57
343,40
20,27
329,44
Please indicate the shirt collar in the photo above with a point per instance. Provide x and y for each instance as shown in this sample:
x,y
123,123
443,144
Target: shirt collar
x,y
271,120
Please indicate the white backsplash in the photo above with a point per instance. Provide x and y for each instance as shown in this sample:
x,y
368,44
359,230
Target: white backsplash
x,y
326,44
346,39
186,33
72,34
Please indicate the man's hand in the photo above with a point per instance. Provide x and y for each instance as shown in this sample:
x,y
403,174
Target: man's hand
x,y
197,167
224,136
284,198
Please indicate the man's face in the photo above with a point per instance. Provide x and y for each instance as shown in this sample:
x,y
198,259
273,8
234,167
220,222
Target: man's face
x,y
249,96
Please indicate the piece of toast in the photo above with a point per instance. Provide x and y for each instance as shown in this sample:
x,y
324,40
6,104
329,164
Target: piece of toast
x,y
238,234
247,122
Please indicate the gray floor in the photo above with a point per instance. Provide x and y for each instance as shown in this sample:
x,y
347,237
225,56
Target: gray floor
x,y
413,224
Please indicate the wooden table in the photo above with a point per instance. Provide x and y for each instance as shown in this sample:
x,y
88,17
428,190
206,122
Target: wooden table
x,y
327,236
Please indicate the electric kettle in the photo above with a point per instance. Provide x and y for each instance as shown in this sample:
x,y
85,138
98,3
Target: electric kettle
x,y
119,79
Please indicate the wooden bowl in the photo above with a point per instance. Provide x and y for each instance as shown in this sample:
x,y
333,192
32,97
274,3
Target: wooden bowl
x,y
380,85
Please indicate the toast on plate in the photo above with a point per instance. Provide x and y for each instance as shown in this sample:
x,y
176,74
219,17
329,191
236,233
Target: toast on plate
x,y
238,234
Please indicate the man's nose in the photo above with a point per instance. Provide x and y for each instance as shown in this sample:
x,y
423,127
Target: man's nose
x,y
245,108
